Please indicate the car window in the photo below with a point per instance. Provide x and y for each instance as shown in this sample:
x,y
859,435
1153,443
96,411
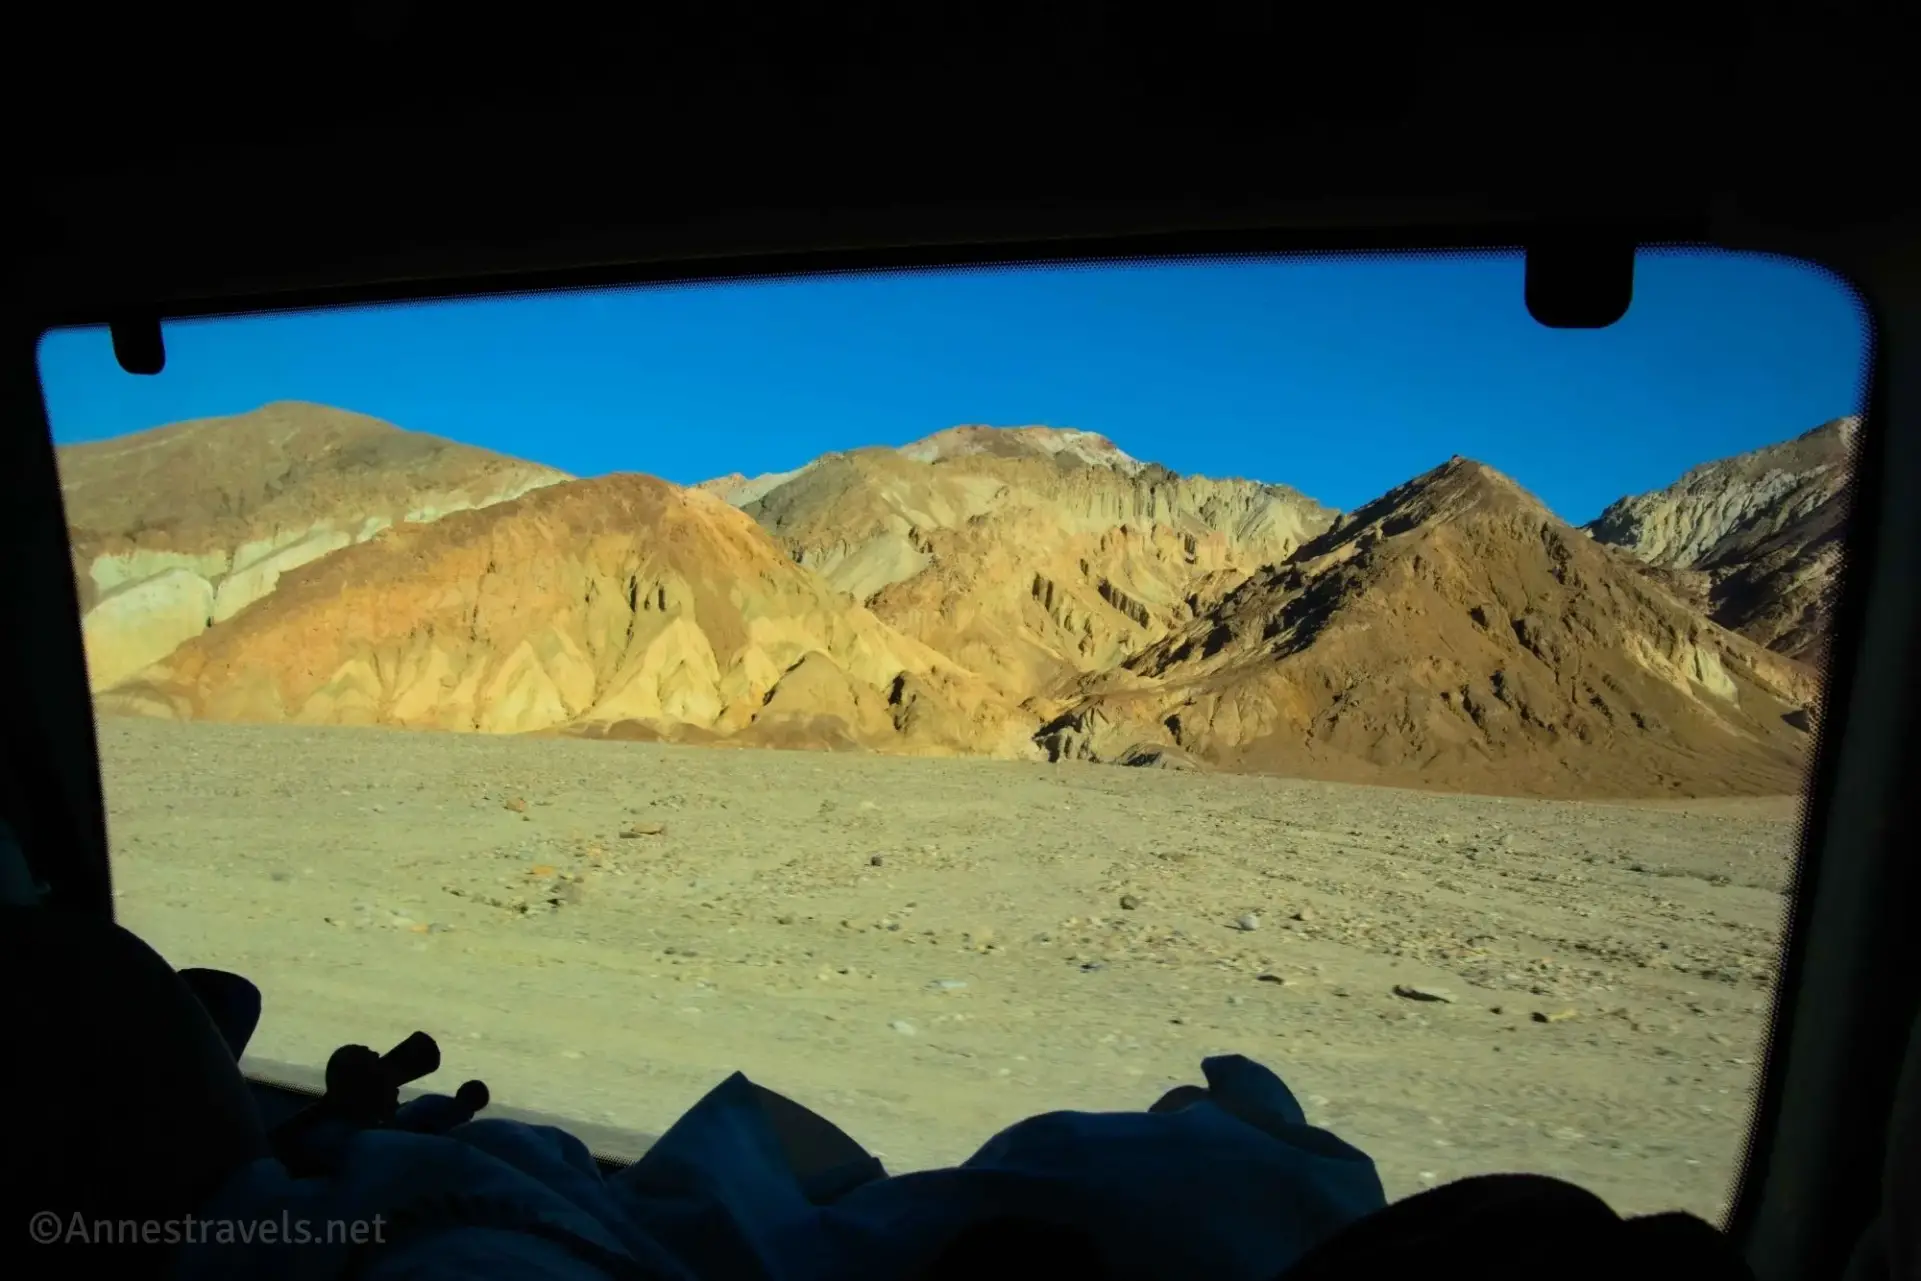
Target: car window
x,y
953,696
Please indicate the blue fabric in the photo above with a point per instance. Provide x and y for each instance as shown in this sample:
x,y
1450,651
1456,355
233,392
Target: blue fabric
x,y
1235,1187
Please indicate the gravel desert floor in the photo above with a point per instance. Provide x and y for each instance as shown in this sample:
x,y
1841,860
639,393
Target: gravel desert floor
x,y
925,951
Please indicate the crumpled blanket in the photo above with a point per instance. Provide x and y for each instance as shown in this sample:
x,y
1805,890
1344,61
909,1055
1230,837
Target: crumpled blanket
x,y
1235,1187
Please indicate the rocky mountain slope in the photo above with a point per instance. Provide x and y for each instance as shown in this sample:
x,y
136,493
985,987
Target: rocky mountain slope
x,y
620,606
1065,444
1455,633
1030,556
1756,538
181,527
1010,592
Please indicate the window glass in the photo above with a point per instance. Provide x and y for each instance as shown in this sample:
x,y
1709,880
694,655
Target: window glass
x,y
953,696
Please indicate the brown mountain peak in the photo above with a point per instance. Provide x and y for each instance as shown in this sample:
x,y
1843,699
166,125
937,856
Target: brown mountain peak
x,y
1455,632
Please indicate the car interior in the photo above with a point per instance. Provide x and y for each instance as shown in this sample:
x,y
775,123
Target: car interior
x,y
777,151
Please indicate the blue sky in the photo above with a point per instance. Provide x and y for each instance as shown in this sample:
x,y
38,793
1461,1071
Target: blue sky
x,y
1339,377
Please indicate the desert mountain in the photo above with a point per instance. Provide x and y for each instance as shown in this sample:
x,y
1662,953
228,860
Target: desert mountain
x,y
1069,446
740,490
181,527
1455,633
1756,538
1031,556
620,606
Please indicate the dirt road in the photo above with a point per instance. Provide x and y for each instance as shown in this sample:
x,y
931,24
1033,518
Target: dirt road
x,y
928,950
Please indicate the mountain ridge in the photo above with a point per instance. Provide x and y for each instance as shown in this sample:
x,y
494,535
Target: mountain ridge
x,y
180,527
1755,537
1039,593
1455,632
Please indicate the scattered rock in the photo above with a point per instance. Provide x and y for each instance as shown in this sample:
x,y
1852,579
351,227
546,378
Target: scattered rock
x,y
903,1027
875,860
1091,966
1248,921
1419,992
1304,914
947,985
633,830
540,871
1129,902
1271,978
1558,1016
783,919
515,803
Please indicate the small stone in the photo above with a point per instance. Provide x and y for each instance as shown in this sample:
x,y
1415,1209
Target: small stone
x,y
1091,966
1304,914
875,860
947,985
1416,992
517,804
1129,902
903,1027
1248,921
1271,978
633,830
1558,1016
783,920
